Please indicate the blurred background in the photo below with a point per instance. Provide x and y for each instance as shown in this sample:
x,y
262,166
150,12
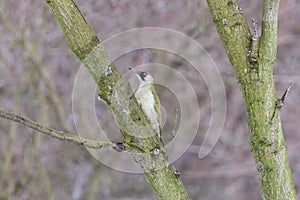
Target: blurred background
x,y
37,73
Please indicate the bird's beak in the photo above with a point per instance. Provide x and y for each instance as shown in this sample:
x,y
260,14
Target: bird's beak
x,y
134,70
140,73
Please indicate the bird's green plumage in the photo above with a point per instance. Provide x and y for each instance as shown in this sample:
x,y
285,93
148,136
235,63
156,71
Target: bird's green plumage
x,y
150,104
147,97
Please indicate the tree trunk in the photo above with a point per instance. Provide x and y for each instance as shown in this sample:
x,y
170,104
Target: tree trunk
x,y
115,91
252,59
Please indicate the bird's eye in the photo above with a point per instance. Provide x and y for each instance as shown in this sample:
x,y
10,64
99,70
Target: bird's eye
x,y
145,74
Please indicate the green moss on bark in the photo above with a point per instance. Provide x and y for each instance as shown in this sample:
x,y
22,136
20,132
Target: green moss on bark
x,y
115,91
255,80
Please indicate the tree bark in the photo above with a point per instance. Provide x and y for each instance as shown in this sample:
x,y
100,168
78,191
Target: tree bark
x,y
252,59
115,91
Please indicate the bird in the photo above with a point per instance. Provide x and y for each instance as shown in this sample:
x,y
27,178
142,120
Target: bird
x,y
148,100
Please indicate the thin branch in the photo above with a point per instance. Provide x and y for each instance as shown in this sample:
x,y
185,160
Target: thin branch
x,y
254,46
268,46
61,135
284,96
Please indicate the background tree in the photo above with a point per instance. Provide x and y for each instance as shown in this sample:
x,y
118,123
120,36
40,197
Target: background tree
x,y
252,58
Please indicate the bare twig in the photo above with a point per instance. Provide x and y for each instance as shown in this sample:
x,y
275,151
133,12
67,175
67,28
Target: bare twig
x,y
255,35
254,46
61,135
284,96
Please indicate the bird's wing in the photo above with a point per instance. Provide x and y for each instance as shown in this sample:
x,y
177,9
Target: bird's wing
x,y
157,106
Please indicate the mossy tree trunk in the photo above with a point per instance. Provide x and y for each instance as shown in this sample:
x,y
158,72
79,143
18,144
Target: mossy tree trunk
x,y
115,91
252,58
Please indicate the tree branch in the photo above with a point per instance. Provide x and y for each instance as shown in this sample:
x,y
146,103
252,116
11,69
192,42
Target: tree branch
x,y
268,46
234,33
256,81
61,135
116,92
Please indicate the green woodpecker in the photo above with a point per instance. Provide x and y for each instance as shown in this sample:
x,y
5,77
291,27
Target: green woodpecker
x,y
147,98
